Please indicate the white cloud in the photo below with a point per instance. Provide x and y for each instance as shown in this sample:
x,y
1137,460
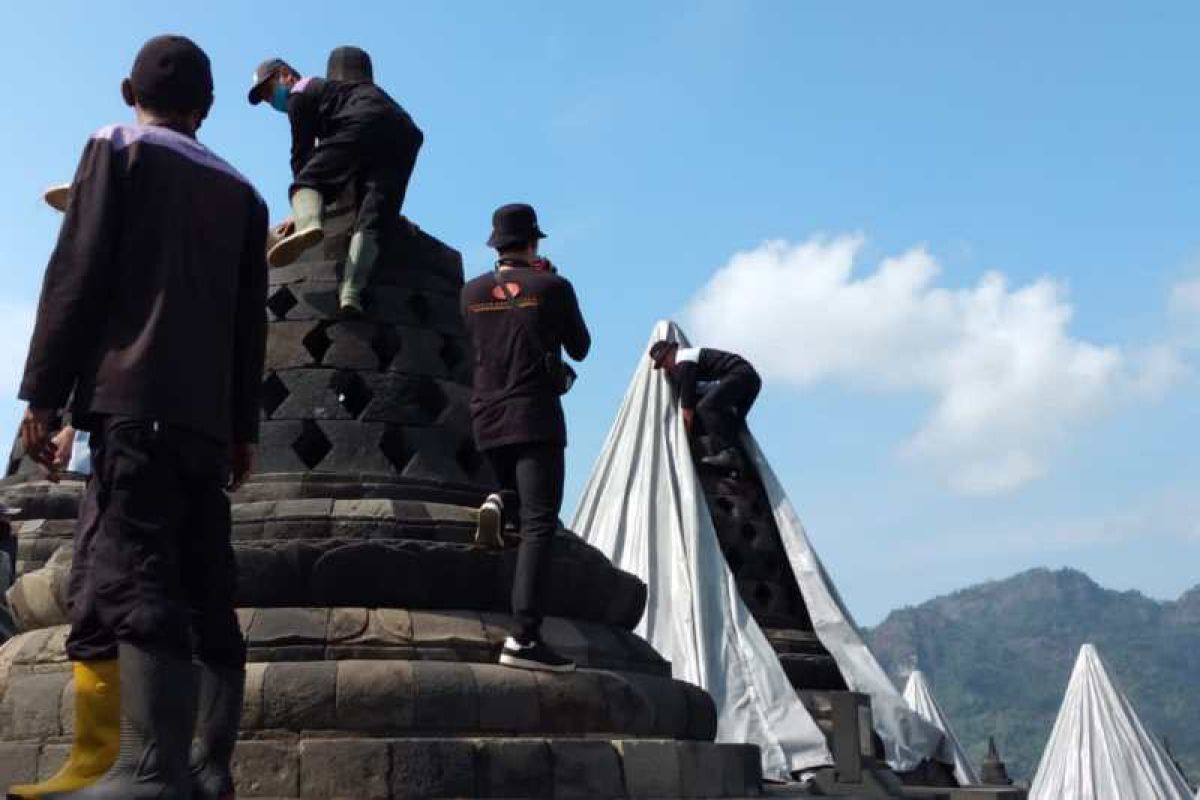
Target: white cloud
x,y
1185,297
1005,377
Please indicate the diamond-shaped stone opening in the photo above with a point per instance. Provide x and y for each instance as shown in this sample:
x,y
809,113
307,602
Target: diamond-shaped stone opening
x,y
431,399
386,344
274,392
312,445
351,391
762,594
468,457
748,532
452,353
317,341
725,504
281,302
394,448
419,305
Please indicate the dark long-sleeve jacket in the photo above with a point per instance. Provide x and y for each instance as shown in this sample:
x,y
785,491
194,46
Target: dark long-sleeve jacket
x,y
152,304
513,400
356,115
695,365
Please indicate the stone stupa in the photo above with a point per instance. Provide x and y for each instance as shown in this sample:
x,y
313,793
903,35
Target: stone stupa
x,y
373,622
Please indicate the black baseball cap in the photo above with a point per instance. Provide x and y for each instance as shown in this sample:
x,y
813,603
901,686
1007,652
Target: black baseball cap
x,y
172,73
263,74
514,224
659,351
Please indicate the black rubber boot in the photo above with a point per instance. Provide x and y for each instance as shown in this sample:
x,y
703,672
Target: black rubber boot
x,y
158,714
218,715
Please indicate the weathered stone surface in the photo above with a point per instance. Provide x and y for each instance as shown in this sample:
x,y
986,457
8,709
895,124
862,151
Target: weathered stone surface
x,y
376,696
446,697
423,769
584,769
52,757
266,769
274,627
575,702
18,763
651,768
508,700
33,710
515,768
700,770
300,696
351,769
252,703
741,769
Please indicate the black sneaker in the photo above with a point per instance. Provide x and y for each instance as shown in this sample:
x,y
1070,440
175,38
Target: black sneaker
x,y
534,655
488,529
726,459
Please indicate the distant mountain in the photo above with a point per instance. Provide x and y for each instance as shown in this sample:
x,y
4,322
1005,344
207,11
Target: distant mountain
x,y
998,657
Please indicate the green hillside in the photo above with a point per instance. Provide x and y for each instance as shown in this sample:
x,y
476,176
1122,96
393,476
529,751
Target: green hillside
x,y
998,657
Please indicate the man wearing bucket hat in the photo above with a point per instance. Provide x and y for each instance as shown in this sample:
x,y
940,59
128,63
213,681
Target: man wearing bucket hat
x,y
520,317
732,387
343,132
151,322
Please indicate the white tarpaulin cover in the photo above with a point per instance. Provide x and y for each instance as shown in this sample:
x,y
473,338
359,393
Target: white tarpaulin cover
x,y
1099,749
921,700
644,507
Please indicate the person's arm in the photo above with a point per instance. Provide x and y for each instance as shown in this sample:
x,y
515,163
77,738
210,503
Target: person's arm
x,y
74,293
303,110
249,342
683,374
576,339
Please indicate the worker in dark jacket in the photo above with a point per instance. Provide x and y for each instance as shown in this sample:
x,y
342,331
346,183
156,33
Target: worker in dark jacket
x,y
520,316
152,313
343,132
731,387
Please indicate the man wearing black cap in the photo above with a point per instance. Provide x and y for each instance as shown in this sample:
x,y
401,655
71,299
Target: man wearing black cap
x,y
342,133
151,321
733,386
520,316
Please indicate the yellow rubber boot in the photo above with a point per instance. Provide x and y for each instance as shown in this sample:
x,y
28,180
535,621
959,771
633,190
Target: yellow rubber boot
x,y
97,732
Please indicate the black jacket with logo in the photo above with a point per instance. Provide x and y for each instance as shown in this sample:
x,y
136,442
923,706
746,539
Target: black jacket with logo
x,y
153,301
514,401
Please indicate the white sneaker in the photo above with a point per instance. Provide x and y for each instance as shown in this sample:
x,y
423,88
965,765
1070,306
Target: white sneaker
x,y
534,655
491,523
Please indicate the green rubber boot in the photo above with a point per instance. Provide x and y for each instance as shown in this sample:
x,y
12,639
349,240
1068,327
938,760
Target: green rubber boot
x,y
360,263
307,208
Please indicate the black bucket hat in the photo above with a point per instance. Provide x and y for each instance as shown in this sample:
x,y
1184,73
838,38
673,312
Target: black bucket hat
x,y
514,224
349,63
263,74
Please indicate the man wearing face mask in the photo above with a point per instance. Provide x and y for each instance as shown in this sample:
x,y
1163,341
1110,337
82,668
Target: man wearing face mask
x,y
343,132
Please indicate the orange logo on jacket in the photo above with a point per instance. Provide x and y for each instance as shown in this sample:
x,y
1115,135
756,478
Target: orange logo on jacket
x,y
514,290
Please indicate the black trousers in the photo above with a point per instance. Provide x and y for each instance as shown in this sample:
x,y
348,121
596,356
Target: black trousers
x,y
531,482
378,163
156,566
724,407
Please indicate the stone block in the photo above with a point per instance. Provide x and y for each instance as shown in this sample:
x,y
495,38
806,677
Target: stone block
x,y
30,709
376,696
515,768
300,696
252,703
51,759
508,699
584,769
702,713
700,770
275,627
741,769
346,624
352,345
630,706
425,768
448,628
18,763
651,767
357,769
572,703
266,769
446,697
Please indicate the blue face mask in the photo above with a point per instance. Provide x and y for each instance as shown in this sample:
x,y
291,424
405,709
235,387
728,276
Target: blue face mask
x,y
279,98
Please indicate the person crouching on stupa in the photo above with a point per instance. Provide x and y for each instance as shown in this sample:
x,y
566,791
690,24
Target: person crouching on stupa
x,y
151,321
343,132
520,316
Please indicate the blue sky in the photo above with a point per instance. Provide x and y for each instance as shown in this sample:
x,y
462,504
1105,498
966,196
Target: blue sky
x,y
1013,184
